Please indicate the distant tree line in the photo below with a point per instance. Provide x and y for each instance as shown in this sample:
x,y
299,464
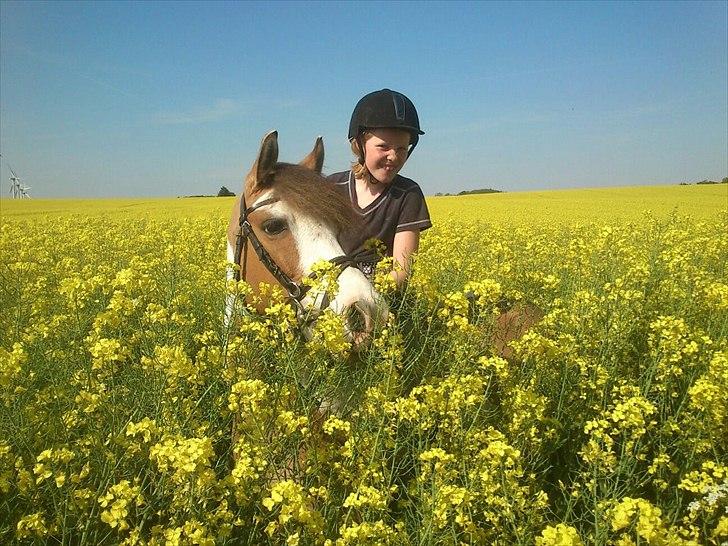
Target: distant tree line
x,y
223,192
468,192
706,181
490,190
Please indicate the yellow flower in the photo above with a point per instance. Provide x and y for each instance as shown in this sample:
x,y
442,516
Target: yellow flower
x,y
559,535
366,496
11,364
32,525
116,503
106,351
184,457
328,334
294,505
146,427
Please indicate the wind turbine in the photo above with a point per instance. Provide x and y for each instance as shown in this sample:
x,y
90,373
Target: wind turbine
x,y
17,190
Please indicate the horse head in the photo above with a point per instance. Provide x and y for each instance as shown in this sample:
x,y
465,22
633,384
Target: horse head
x,y
286,219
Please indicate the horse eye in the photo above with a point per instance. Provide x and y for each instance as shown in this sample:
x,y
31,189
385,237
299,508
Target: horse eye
x,y
274,226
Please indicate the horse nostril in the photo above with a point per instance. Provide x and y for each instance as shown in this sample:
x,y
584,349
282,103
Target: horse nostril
x,y
357,321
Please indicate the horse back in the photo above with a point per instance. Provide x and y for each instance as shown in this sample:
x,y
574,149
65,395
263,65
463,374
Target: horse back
x,y
512,324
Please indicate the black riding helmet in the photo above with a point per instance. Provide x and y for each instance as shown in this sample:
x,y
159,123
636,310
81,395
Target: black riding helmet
x,y
385,109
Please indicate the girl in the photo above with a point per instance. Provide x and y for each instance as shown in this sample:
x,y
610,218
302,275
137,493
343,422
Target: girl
x,y
383,132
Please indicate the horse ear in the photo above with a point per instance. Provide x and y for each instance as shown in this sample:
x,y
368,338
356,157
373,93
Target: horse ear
x,y
315,160
264,166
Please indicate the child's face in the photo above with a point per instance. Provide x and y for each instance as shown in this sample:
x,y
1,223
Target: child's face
x,y
385,153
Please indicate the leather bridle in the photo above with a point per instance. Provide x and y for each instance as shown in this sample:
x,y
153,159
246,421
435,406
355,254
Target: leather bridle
x,y
296,291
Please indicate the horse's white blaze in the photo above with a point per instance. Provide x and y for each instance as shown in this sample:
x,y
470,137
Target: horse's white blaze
x,y
316,242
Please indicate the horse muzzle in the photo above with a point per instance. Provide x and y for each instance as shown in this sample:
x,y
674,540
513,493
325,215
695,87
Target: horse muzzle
x,y
364,311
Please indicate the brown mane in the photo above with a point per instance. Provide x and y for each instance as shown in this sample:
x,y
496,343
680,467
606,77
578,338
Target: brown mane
x,y
309,192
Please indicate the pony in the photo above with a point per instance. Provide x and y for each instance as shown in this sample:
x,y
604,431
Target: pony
x,y
291,217
286,219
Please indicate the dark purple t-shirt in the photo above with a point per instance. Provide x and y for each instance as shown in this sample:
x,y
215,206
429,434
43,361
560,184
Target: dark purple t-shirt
x,y
400,207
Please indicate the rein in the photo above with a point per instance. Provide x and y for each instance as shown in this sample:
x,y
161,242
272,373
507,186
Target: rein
x,y
296,291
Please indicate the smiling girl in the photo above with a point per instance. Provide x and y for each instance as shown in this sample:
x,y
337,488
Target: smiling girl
x,y
383,132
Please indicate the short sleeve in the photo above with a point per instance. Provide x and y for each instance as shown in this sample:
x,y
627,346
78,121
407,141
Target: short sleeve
x,y
414,215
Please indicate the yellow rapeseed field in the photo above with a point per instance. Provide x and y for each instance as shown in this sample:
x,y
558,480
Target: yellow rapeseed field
x,y
120,381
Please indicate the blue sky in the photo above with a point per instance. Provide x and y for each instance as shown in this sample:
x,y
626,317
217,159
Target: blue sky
x,y
162,99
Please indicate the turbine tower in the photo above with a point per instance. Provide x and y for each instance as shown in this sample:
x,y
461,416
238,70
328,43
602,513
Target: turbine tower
x,y
17,190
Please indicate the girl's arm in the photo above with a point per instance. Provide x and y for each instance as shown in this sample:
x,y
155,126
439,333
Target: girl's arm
x,y
405,244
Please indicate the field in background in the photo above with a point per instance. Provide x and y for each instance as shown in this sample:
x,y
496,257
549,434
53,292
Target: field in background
x,y
119,381
603,205
117,208
595,204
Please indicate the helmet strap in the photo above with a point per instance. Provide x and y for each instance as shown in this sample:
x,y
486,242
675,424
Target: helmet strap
x,y
412,149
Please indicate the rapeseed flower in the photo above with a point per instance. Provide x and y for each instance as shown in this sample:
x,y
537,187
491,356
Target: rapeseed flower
x,y
145,411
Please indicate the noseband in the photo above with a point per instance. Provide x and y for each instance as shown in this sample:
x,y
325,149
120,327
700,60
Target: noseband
x,y
296,290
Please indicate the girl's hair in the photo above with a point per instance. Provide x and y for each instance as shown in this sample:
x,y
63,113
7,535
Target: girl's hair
x,y
358,167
